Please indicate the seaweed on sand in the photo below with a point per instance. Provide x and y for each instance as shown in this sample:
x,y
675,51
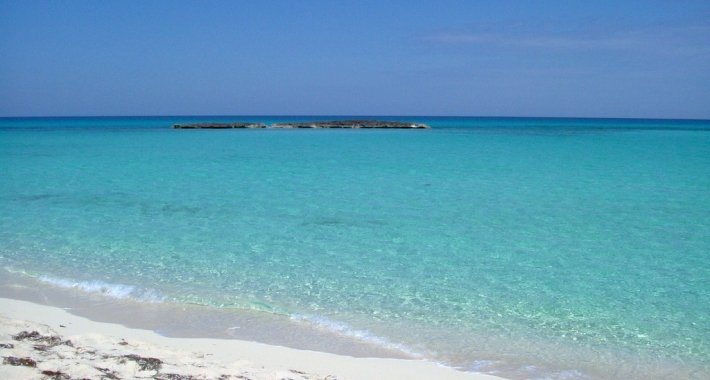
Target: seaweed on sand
x,y
35,336
26,362
145,364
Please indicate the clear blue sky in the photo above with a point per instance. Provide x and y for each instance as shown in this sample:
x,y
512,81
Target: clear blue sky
x,y
648,59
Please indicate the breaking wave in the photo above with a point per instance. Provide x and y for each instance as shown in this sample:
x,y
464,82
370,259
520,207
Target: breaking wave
x,y
346,330
118,291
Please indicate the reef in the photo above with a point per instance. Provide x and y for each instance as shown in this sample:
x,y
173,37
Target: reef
x,y
219,125
346,124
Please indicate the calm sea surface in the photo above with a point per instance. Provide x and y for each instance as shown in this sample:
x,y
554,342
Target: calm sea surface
x,y
530,248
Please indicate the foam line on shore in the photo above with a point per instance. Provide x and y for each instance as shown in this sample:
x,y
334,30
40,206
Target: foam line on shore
x,y
213,355
119,291
349,331
135,293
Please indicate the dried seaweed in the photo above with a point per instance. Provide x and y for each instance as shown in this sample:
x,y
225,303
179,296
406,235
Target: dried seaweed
x,y
35,336
26,362
107,373
173,376
56,375
145,364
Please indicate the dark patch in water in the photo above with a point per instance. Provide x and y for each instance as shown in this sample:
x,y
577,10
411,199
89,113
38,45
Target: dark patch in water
x,y
169,209
335,222
327,222
175,209
32,198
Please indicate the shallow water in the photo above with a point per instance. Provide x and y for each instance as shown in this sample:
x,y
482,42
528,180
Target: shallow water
x,y
531,248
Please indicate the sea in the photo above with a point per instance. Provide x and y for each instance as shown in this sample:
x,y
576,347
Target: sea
x,y
528,248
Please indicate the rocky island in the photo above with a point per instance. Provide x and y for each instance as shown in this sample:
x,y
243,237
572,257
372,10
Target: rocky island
x,y
348,124
219,125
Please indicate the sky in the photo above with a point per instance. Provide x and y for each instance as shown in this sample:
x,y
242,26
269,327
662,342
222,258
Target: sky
x,y
628,59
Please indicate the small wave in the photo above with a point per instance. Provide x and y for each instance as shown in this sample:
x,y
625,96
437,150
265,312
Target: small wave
x,y
119,291
347,330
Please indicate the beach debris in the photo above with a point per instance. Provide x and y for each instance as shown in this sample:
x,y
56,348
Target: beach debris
x,y
145,364
49,340
93,356
108,374
11,360
41,347
56,375
173,376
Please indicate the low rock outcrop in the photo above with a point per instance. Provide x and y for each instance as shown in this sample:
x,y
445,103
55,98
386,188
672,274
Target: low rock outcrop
x,y
219,125
347,124
353,124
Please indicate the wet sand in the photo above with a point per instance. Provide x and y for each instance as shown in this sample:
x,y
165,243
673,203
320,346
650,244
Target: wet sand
x,y
80,348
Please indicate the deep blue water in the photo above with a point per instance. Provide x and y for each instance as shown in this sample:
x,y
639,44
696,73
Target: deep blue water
x,y
543,245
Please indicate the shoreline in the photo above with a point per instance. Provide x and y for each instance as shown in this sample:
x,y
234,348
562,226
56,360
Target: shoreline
x,y
266,360
189,320
182,323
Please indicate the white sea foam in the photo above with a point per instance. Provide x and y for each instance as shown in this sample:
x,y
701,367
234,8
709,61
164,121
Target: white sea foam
x,y
119,291
482,366
347,330
536,373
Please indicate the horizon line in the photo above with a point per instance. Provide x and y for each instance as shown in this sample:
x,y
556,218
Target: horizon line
x,y
355,116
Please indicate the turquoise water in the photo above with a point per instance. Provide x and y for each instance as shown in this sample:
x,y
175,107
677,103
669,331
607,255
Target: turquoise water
x,y
532,248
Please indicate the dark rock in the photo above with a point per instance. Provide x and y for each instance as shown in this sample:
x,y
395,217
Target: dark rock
x,y
219,125
348,124
353,124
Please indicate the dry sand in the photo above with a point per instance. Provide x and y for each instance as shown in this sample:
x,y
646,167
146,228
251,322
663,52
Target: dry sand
x,y
66,346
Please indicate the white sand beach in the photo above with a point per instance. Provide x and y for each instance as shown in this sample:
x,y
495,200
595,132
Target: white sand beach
x,y
66,346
